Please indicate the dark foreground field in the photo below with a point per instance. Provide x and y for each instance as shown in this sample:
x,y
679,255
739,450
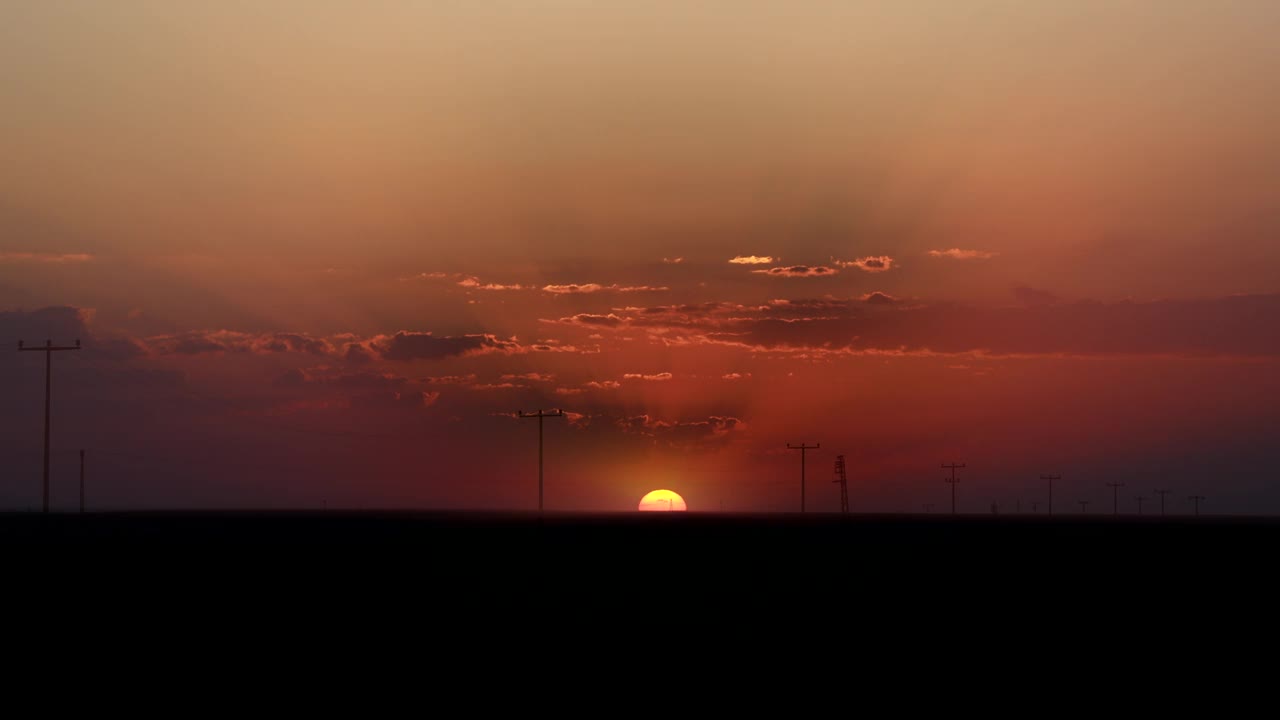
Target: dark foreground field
x,y
818,570
647,543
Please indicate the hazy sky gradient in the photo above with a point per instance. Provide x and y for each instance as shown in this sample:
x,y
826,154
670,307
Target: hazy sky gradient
x,y
197,178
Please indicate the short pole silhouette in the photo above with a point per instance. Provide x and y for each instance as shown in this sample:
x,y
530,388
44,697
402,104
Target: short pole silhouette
x,y
1050,478
1115,496
48,349
928,507
802,447
1084,504
81,482
952,467
1195,499
1139,499
1162,493
1035,506
540,415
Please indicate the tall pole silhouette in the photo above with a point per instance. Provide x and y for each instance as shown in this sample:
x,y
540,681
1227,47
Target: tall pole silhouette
x,y
1050,478
540,415
802,447
1196,500
953,482
1139,499
48,349
81,482
843,479
1115,496
1162,493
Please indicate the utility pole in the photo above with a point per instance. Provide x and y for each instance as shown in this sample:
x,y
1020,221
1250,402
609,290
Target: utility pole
x,y
928,507
49,349
1050,478
843,479
1035,506
1083,505
952,467
1196,499
802,447
1162,493
1139,499
81,482
540,414
1115,496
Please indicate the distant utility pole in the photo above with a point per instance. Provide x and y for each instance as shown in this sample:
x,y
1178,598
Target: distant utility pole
x,y
540,414
1050,478
1083,505
81,482
1035,506
49,349
1162,493
802,447
1115,496
1139,499
843,479
1196,499
952,467
928,507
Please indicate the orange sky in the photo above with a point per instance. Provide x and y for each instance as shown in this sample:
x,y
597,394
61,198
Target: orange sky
x,y
1031,237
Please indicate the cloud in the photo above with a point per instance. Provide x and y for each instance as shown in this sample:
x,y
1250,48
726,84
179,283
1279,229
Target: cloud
x,y
44,258
673,261
641,376
420,276
735,376
450,380
357,354
406,346
753,260
569,391
1242,325
958,254
532,376
603,385
879,298
713,429
473,283
871,263
429,398
798,271
230,341
574,288
610,320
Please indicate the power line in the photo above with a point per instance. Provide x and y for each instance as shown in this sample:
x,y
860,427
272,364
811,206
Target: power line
x,y
1196,500
953,467
540,415
843,479
802,448
49,349
1050,478
1115,496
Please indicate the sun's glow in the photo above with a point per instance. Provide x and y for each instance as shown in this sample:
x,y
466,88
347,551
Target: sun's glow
x,y
662,501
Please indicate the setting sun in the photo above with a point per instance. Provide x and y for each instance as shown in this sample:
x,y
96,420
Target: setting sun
x,y
662,500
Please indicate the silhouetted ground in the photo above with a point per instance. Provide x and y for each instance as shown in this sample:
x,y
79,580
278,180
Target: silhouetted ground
x,y
725,571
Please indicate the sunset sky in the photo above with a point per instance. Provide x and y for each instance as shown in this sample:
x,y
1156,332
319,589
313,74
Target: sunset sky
x,y
321,252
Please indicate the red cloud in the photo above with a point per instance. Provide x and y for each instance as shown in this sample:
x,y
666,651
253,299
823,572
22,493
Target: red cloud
x,y
475,284
753,260
958,254
44,258
641,376
797,271
871,263
405,346
573,288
